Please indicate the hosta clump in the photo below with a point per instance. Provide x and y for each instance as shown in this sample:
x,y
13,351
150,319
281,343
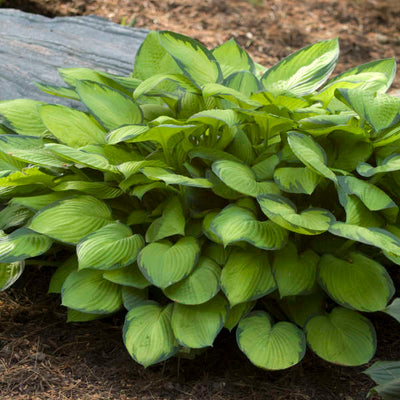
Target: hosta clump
x,y
205,191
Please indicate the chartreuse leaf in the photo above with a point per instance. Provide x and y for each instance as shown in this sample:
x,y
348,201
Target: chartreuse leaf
x,y
236,224
310,154
100,190
112,246
241,178
27,176
147,333
72,127
21,244
61,274
303,71
60,91
393,309
377,237
111,107
389,164
283,212
127,276
125,133
82,157
232,58
72,219
22,116
89,292
36,203
164,263
268,346
9,273
131,296
294,274
172,222
236,313
197,326
296,180
252,270
152,59
162,174
381,111
342,337
200,286
356,281
194,59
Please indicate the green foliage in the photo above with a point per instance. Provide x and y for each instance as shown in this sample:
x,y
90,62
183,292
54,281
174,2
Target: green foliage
x,y
205,191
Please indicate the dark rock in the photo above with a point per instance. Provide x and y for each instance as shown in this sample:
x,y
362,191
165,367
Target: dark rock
x,y
32,47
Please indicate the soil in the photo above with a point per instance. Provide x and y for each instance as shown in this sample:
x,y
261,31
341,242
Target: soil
x,y
42,357
268,29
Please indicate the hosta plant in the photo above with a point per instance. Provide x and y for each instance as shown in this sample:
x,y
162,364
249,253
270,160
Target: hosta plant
x,y
205,192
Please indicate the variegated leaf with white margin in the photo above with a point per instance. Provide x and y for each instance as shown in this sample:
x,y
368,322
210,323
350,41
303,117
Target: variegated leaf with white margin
x,y
72,219
164,263
283,212
268,346
356,281
9,273
236,224
342,337
147,333
294,273
111,247
251,268
303,71
196,326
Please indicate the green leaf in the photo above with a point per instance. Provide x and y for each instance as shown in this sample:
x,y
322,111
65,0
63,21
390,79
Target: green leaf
x,y
283,212
72,127
111,107
241,178
235,224
386,374
132,297
295,274
342,337
310,154
244,82
381,111
356,282
9,273
232,58
192,57
127,276
164,263
79,316
389,164
125,133
157,173
147,333
14,215
100,190
303,71
112,246
70,220
200,286
264,169
394,309
268,346
377,237
236,313
197,326
36,203
296,180
172,222
22,116
89,292
21,244
61,274
252,270
60,91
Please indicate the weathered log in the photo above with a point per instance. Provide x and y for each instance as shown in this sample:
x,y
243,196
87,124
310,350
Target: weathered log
x,y
32,47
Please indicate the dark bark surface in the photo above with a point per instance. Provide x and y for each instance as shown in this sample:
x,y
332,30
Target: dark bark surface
x,y
32,47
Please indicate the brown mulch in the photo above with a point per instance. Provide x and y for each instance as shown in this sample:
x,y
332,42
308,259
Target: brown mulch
x,y
42,357
368,29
